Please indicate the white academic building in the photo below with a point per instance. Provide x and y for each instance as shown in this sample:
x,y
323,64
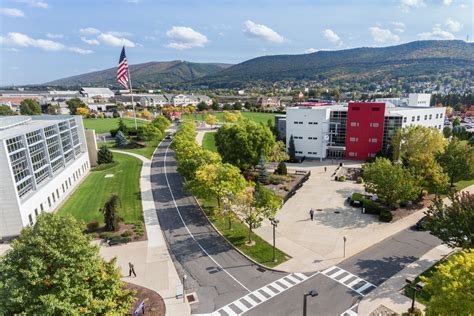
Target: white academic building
x,y
42,159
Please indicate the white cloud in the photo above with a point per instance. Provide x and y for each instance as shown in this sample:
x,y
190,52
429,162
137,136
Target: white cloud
x,y
119,34
183,37
89,31
447,2
406,5
91,41
113,40
453,25
16,13
39,4
50,35
80,50
380,35
310,50
436,33
399,24
22,40
261,31
332,36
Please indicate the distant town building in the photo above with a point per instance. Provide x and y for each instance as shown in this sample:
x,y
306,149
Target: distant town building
x,y
42,159
90,93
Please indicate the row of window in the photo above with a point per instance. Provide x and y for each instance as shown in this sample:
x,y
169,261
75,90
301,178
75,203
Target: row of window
x,y
355,154
426,117
300,123
356,108
55,195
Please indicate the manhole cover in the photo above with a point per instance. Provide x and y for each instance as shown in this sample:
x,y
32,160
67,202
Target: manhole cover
x,y
190,298
337,212
261,269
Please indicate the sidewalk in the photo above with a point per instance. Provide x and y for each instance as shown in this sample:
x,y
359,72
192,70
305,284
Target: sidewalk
x,y
389,293
153,265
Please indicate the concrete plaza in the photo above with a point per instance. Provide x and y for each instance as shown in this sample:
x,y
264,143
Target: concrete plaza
x,y
318,244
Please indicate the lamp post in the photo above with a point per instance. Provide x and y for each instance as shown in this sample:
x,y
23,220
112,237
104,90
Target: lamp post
x,y
344,239
274,222
184,288
311,293
418,287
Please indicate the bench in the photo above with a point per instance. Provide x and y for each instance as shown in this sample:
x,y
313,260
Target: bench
x,y
179,291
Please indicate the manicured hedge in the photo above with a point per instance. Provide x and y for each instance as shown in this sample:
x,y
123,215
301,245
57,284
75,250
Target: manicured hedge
x,y
371,207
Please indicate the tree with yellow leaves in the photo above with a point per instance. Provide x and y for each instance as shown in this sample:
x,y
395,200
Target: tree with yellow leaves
x,y
211,120
84,112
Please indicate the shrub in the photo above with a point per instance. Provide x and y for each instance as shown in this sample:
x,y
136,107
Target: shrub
x,y
385,216
104,155
371,207
126,239
277,179
115,114
281,169
107,235
341,179
416,312
127,233
113,132
286,188
92,226
360,180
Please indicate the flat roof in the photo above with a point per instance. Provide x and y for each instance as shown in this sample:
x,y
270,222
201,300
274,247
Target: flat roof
x,y
11,126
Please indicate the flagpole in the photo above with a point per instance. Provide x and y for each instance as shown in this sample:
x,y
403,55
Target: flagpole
x,y
131,92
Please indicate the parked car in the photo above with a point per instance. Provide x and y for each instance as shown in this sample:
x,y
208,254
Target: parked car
x,y
421,224
168,136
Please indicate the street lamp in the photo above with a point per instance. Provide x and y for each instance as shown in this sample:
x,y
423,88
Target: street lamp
x,y
344,239
274,222
184,288
418,287
311,293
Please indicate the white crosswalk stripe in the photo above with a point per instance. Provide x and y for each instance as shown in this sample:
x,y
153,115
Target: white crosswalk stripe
x,y
349,280
227,310
351,311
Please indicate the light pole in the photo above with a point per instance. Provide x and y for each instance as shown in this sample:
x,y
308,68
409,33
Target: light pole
x,y
274,222
184,288
311,293
418,287
344,239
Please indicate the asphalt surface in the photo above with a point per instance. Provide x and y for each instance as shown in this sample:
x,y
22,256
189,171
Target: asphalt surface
x,y
216,272
219,275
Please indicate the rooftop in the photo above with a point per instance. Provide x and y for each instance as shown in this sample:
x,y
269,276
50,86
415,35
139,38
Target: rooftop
x,y
11,126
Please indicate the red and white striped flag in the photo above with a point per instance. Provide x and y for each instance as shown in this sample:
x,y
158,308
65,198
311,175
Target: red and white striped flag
x,y
122,70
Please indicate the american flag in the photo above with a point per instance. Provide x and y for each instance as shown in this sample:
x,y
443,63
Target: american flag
x,y
122,70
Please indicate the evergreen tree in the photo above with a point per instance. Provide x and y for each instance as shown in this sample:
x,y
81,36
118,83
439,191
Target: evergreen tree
x,y
292,149
30,107
104,155
110,211
53,269
262,171
281,168
122,127
120,140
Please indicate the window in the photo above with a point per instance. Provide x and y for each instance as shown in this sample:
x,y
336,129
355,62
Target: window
x,y
426,117
436,115
373,140
41,207
374,124
354,139
313,123
352,154
63,187
355,108
57,193
49,201
375,109
441,115
404,119
417,118
412,118
30,219
431,116
69,181
54,199
314,138
312,153
372,155
354,123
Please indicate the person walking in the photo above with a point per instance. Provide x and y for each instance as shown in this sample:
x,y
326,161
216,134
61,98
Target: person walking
x,y
325,169
311,214
131,269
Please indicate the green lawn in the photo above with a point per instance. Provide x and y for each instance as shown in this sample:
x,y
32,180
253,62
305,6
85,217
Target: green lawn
x,y
146,152
261,251
463,184
104,125
209,141
255,116
91,195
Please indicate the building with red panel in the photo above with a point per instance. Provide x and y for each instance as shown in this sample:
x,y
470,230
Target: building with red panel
x,y
365,129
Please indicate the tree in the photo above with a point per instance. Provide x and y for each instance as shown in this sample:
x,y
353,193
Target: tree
x,y
84,112
278,152
237,106
456,122
120,140
215,105
73,104
104,155
457,160
146,114
111,213
151,132
447,132
460,132
211,120
231,117
53,269
191,157
453,222
202,106
281,168
216,181
262,171
122,127
242,143
266,198
451,286
29,107
162,123
391,183
292,149
248,105
6,110
227,107
52,109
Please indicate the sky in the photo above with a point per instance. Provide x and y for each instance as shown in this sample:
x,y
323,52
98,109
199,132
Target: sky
x,y
44,40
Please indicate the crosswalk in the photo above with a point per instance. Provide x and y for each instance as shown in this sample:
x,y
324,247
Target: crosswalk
x,y
349,280
351,311
257,297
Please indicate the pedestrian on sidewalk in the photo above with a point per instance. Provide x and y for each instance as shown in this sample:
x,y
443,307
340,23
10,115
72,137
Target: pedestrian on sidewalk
x,y
311,213
131,269
325,169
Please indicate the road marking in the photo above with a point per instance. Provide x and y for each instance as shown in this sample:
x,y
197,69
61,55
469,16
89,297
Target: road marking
x,y
186,226
335,271
258,293
352,311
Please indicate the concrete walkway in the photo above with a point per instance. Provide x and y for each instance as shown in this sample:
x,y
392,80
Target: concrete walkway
x,y
389,293
153,265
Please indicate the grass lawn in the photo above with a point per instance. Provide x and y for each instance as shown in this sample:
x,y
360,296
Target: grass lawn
x,y
104,125
463,184
146,152
254,116
96,189
261,251
209,141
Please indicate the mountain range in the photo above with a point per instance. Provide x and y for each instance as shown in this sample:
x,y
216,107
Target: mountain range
x,y
366,64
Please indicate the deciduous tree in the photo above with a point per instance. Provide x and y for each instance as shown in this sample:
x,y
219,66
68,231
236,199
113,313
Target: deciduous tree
x,y
6,110
73,104
53,269
457,160
211,120
162,123
30,107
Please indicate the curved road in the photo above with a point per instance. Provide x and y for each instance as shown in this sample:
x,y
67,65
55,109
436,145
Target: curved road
x,y
227,283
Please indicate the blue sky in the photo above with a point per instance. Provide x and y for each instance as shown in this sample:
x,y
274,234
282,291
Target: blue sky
x,y
43,40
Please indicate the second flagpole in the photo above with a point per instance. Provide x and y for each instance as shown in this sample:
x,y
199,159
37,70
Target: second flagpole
x,y
133,103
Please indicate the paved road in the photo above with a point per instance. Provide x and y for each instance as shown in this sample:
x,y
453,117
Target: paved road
x,y
216,272
220,276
